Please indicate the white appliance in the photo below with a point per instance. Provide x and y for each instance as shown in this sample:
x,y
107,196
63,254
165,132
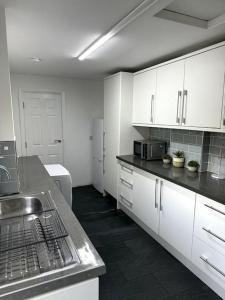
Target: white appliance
x,y
63,179
97,161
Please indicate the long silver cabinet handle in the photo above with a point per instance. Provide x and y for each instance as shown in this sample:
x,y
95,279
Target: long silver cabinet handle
x,y
160,199
152,105
178,106
156,184
214,234
127,169
215,209
123,181
212,265
185,93
125,201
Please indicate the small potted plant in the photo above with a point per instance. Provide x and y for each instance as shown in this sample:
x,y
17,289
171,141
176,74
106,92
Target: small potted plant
x,y
166,159
193,165
178,159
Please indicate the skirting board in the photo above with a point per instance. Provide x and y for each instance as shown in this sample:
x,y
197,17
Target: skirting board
x,y
201,275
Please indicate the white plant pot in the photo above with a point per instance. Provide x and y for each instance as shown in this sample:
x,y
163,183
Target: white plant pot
x,y
192,169
166,161
178,162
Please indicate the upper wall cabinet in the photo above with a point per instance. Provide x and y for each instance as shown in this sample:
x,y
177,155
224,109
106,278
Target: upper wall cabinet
x,y
169,93
144,90
189,92
203,89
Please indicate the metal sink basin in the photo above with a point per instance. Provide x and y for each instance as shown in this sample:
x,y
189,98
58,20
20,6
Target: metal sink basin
x,y
23,205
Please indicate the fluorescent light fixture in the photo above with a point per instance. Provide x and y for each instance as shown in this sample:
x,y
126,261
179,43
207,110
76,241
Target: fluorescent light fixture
x,y
154,5
95,46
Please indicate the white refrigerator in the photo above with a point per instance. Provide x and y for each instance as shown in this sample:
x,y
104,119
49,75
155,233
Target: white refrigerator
x,y
97,157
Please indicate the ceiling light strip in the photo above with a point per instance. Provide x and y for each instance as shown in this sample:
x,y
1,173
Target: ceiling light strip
x,y
153,5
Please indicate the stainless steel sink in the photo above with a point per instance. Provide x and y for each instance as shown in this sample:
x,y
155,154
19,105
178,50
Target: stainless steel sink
x,y
24,205
33,239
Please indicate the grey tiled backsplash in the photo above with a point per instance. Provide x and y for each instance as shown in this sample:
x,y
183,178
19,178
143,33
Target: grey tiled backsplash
x,y
195,144
8,159
216,157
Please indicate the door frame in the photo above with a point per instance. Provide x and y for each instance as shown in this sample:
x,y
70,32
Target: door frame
x,y
22,117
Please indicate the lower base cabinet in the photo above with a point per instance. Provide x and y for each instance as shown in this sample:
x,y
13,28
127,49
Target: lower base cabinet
x,y
177,209
209,261
192,226
85,290
145,205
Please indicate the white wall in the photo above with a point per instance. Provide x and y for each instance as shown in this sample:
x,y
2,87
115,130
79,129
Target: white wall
x,y
83,103
6,118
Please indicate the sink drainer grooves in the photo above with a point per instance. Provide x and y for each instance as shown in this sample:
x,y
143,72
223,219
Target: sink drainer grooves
x,y
32,244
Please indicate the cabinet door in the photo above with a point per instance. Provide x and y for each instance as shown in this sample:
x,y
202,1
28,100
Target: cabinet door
x,y
169,89
111,129
144,97
177,216
145,199
204,82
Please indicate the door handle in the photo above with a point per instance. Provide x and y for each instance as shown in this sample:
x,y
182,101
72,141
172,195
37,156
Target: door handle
x,y
58,141
160,199
156,184
179,94
184,108
152,103
212,265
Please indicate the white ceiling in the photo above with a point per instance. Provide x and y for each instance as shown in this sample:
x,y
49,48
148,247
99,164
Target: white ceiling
x,y
58,30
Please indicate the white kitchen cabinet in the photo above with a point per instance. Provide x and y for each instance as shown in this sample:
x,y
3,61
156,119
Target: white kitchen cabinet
x,y
97,158
189,92
126,184
85,290
211,262
118,132
204,88
144,90
6,116
177,207
210,223
146,206
168,103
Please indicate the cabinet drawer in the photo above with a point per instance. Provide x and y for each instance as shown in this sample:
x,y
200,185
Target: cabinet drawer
x,y
126,196
126,179
126,168
209,261
210,223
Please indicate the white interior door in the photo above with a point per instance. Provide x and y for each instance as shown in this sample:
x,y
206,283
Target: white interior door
x,y
43,131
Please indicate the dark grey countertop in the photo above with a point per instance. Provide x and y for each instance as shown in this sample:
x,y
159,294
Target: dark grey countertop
x,y
34,179
201,183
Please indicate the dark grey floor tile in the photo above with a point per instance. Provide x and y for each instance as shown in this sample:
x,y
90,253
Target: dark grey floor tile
x,y
176,281
203,293
138,268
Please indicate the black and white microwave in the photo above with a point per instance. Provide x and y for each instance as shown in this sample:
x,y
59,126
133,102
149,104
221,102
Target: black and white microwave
x,y
149,149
